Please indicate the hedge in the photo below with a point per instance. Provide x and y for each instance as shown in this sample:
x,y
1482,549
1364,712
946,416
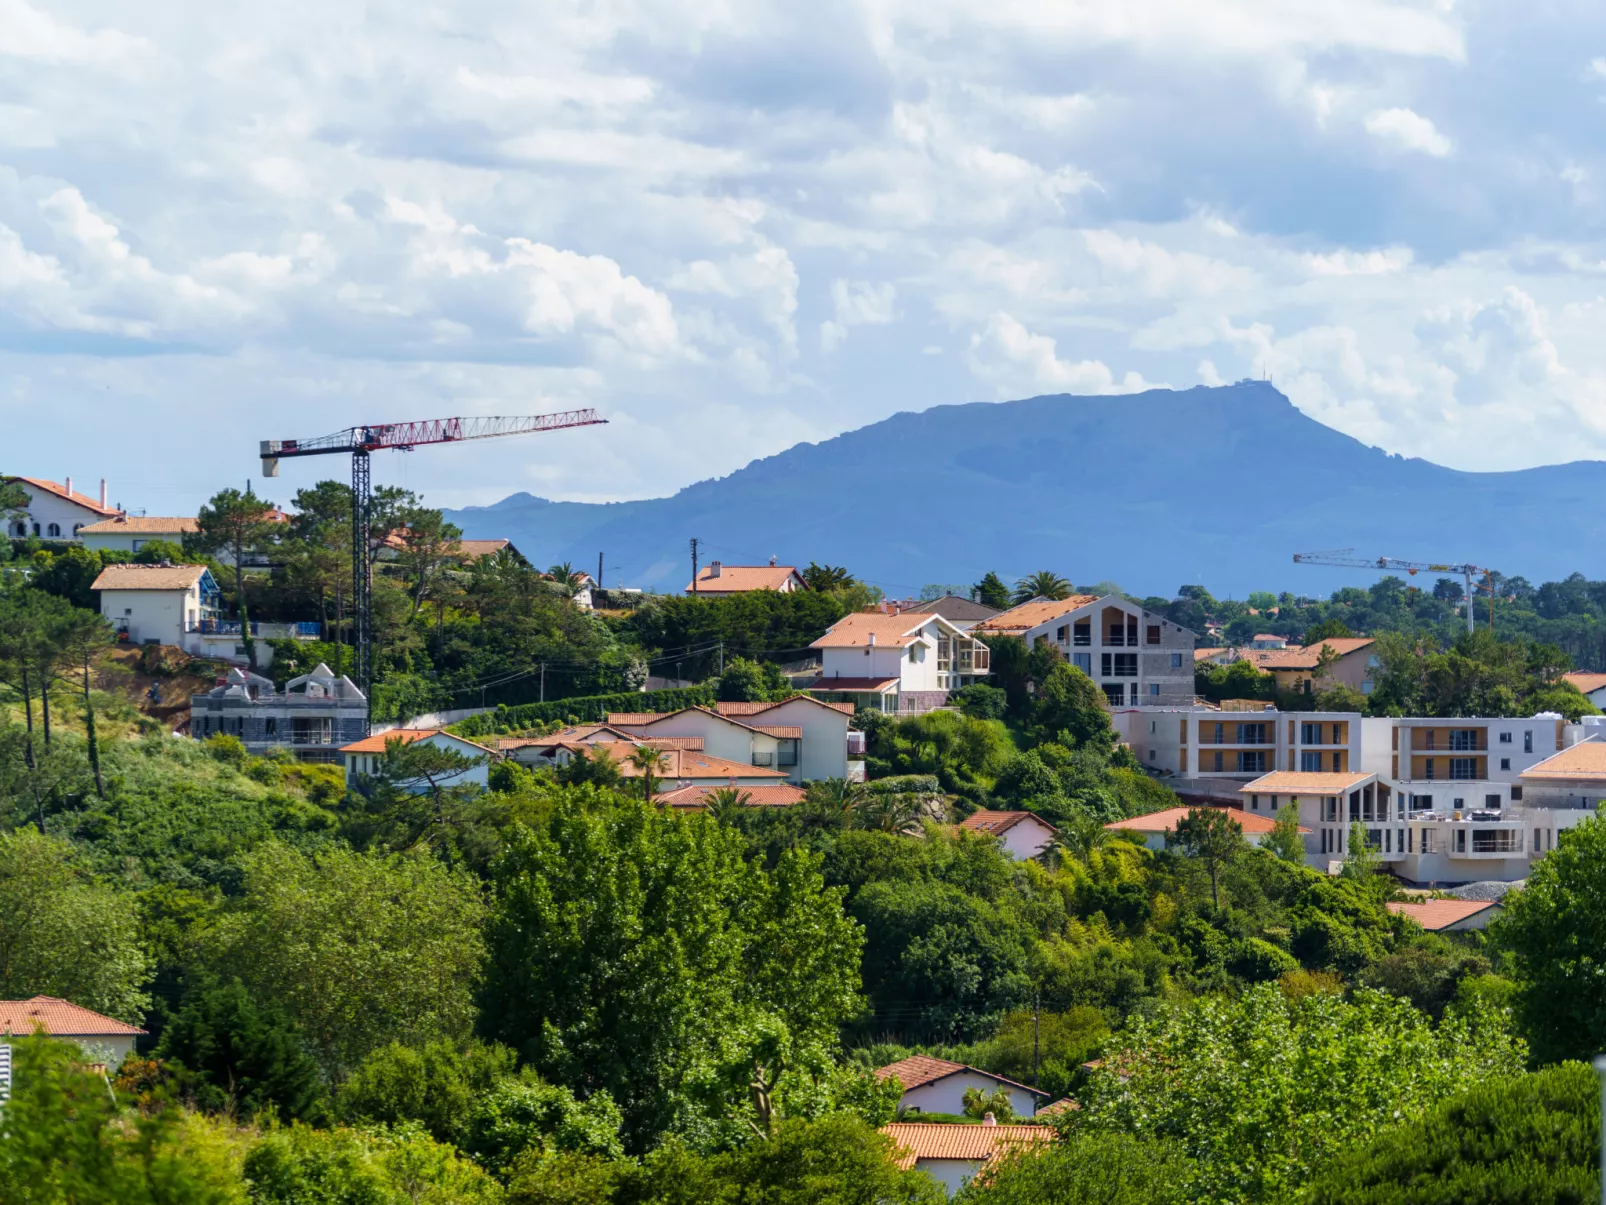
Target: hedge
x,y
585,709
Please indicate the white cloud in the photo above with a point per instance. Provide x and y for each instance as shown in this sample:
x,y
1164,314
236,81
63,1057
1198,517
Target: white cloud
x,y
857,303
1408,130
1017,362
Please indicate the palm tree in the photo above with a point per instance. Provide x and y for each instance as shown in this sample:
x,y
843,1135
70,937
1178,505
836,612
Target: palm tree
x,y
725,804
1042,584
648,760
566,577
891,812
1081,835
832,802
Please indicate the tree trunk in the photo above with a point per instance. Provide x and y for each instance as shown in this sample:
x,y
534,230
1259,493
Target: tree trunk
x,y
44,707
89,729
239,605
27,710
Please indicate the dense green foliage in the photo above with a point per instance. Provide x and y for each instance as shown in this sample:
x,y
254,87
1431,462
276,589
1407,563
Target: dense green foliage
x,y
1081,1169
587,709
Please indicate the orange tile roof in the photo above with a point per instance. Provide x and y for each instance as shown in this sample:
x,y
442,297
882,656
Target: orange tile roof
x,y
132,524
915,1141
1206,654
638,721
481,548
683,763
1585,683
780,795
1166,821
857,685
890,631
1433,915
920,1069
1064,1105
999,823
378,741
148,577
752,709
1297,657
56,488
737,579
1300,782
781,732
1030,614
60,1018
1583,761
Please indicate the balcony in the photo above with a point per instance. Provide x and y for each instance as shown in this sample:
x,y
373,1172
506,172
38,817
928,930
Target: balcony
x,y
266,631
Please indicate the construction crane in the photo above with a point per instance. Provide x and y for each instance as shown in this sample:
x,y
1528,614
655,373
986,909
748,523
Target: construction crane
x,y
360,442
1339,557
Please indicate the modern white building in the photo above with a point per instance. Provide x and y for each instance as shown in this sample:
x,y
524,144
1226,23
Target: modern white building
x,y
103,1039
313,716
907,662
1022,834
932,1085
1137,658
56,511
1204,744
130,533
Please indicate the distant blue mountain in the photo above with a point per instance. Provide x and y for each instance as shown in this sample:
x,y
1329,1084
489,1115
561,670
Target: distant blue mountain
x,y
1215,486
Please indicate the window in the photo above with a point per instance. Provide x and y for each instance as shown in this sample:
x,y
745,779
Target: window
x,y
1429,774
1082,632
1252,761
1125,665
1254,803
1153,636
1367,686
55,529
271,726
1219,761
1154,690
1464,739
1083,662
1310,761
138,544
1460,840
1505,738
1528,741
1252,734
1115,694
1516,794
1492,802
1497,841
1060,632
1430,841
763,759
1463,769
1505,763
1310,734
1338,734
1176,660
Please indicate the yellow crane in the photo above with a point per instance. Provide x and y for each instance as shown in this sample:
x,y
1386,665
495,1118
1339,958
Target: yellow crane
x,y
1343,558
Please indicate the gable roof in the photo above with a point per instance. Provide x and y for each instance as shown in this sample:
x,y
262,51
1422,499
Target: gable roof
x,y
920,1069
60,1018
1032,613
148,577
752,709
914,1140
1433,915
377,742
61,491
141,525
954,607
1584,761
735,579
681,763
1165,821
999,823
778,795
647,719
854,685
1306,657
1585,683
475,549
855,630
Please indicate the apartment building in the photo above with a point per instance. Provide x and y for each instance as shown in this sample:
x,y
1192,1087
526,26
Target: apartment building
x,y
1207,743
1448,765
1135,656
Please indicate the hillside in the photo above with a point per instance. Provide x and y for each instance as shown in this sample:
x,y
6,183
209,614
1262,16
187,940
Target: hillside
x,y
1218,486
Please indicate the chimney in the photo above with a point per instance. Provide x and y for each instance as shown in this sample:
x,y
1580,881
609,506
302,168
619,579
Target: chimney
x,y
987,1119
103,493
772,562
713,569
872,639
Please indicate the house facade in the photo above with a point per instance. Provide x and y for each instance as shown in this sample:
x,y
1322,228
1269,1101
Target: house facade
x,y
56,511
1351,662
908,662
1154,829
932,1085
130,533
101,1038
179,605
952,1155
717,578
1022,834
365,757
312,717
1136,657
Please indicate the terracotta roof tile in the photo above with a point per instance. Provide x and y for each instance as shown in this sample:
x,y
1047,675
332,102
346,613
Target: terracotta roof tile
x,y
743,710
890,631
683,763
140,524
1031,614
856,685
1296,657
1585,761
148,577
378,741
475,549
1302,782
1433,915
778,796
60,1018
1165,821
920,1069
738,579
915,1141
999,823
1585,683
56,488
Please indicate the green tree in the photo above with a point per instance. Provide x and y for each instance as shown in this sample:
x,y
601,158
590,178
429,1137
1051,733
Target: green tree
x,y
1532,1138
991,592
418,797
978,1104
1042,584
518,1113
1284,841
647,760
1328,629
827,577
242,1057
1068,702
64,933
642,954
1247,1086
1080,1169
235,524
295,1165
747,681
1212,836
358,949
1361,861
1552,932
434,1085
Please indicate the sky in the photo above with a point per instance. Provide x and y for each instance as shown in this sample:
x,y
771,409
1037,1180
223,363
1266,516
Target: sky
x,y
734,227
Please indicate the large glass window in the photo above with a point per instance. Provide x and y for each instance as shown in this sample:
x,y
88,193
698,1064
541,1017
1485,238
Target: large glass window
x,y
1463,769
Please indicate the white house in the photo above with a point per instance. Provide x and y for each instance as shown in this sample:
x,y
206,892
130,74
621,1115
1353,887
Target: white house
x,y
130,533
1591,686
716,579
156,603
104,1039
1135,656
825,750
1448,916
364,757
1022,834
938,1086
56,511
805,737
953,1154
907,662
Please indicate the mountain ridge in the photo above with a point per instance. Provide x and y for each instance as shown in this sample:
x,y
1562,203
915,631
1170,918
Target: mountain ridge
x,y
1212,485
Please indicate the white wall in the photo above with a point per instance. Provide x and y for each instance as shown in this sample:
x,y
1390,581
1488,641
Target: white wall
x,y
45,508
950,1173
128,541
823,752
152,614
1026,839
947,1095
721,738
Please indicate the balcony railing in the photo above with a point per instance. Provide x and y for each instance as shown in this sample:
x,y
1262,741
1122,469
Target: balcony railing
x,y
235,627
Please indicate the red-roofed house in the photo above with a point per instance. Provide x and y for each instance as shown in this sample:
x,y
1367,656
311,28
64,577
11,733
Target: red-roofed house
x,y
718,579
1156,826
905,662
365,756
932,1085
818,729
953,1154
1022,834
694,798
106,1039
1448,916
1591,686
56,511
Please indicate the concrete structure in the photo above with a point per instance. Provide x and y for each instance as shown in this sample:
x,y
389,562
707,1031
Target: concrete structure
x,y
101,1038
1155,828
312,717
1022,834
1298,667
896,663
1207,743
1135,656
1448,916
938,1086
365,758
953,1154
56,511
963,613
715,579
130,533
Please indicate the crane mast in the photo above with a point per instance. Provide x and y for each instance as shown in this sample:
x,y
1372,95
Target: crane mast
x,y
1340,559
360,442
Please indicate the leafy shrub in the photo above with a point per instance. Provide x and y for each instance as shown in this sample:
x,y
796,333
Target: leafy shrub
x,y
585,709
980,701
230,750
1111,1169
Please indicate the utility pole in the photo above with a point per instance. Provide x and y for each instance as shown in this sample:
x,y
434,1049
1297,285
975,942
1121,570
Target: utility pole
x,y
599,571
543,681
694,542
1036,1000
722,658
